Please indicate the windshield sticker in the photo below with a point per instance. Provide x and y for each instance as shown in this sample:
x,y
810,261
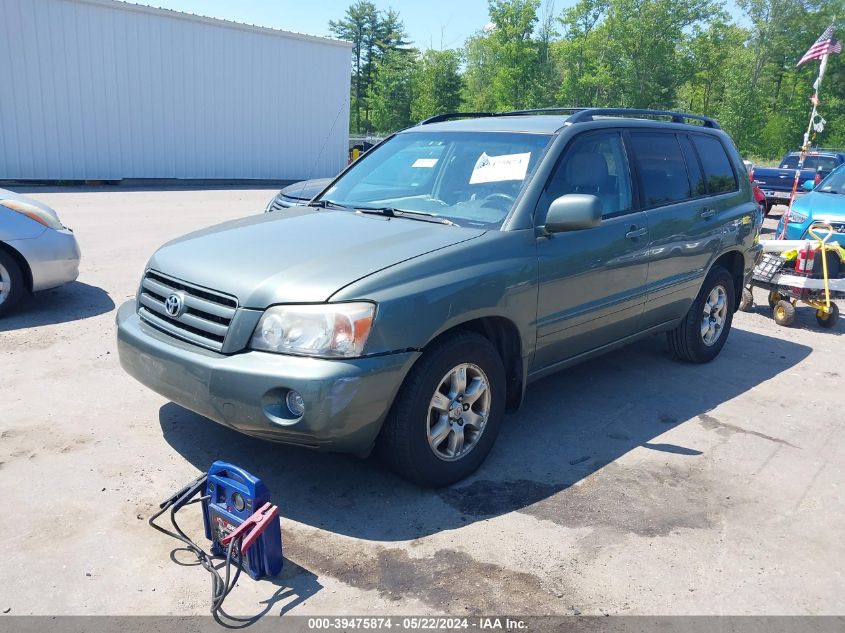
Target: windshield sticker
x,y
499,168
425,162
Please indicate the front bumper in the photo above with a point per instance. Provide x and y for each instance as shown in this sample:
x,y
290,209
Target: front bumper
x,y
53,258
346,401
781,197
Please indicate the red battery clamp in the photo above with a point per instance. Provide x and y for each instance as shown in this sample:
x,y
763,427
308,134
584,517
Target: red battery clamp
x,y
248,540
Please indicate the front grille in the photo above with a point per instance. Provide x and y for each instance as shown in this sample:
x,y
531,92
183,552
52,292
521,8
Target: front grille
x,y
205,317
283,202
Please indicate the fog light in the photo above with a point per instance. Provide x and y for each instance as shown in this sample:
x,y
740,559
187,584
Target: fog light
x,y
295,402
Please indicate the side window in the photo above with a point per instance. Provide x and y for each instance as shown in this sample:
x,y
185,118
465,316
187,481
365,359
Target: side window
x,y
696,176
593,164
717,166
661,166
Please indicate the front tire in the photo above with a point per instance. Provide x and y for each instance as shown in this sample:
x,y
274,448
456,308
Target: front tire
x,y
447,413
11,283
701,335
746,304
784,313
828,319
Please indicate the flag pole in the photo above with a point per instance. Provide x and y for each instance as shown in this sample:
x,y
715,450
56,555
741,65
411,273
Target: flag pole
x,y
805,146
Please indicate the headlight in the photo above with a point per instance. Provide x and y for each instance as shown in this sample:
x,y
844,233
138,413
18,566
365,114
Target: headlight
x,y
33,213
337,330
796,217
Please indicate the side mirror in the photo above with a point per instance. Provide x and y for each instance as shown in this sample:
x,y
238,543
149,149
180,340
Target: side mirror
x,y
573,212
808,185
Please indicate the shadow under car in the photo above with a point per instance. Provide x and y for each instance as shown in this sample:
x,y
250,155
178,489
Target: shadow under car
x,y
72,302
571,425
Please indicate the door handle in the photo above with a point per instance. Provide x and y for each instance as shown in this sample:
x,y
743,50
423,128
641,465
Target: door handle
x,y
708,213
635,232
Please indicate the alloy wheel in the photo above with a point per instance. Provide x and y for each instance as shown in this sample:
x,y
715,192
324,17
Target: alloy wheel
x,y
458,412
5,283
715,313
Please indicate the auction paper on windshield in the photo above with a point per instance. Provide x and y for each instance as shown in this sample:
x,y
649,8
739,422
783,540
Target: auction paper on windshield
x,y
500,168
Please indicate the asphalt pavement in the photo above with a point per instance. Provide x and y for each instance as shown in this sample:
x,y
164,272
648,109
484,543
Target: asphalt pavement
x,y
632,484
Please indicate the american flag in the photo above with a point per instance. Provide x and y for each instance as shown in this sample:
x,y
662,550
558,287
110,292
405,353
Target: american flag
x,y
824,45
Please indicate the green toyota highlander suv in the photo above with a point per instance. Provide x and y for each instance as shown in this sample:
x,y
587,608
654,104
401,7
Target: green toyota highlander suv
x,y
409,304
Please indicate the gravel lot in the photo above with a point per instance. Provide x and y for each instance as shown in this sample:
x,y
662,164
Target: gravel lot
x,y
629,485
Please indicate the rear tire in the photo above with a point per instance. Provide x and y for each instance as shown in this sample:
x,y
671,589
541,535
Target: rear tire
x,y
828,319
701,335
420,436
12,287
784,313
746,303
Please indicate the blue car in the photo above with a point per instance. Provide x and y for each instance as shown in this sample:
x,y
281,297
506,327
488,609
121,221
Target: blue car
x,y
825,203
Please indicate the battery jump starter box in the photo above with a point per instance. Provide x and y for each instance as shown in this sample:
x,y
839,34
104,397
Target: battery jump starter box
x,y
233,496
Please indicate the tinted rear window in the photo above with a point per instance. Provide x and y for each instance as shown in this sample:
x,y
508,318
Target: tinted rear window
x,y
693,167
661,167
718,171
827,163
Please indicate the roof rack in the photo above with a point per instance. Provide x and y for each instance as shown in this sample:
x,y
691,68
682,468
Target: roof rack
x,y
579,115
446,116
589,114
554,110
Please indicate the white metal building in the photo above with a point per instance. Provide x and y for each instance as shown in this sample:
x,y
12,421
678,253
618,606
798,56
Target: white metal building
x,y
106,90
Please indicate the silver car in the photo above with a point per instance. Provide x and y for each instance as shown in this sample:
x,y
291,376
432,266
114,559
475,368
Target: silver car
x,y
36,251
299,193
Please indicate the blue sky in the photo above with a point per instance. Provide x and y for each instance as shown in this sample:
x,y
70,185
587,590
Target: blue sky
x,y
430,23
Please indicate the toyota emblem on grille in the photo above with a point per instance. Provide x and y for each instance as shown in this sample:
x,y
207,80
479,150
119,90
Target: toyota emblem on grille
x,y
173,305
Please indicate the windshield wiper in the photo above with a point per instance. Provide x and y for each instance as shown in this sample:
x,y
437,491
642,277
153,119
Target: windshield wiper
x,y
393,212
328,204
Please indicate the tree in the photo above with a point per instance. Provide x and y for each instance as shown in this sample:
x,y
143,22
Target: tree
x,y
629,49
374,34
437,84
708,53
516,52
355,27
480,65
392,93
666,54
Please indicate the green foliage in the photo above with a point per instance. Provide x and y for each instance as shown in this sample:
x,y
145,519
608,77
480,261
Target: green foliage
x,y
667,54
374,35
436,84
391,94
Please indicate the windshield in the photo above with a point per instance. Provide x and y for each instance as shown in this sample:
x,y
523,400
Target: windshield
x,y
834,183
826,163
469,178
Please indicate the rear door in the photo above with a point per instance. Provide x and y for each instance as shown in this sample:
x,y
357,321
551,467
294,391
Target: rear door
x,y
687,183
592,282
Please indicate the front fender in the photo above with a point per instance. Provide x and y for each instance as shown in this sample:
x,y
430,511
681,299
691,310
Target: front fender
x,y
492,276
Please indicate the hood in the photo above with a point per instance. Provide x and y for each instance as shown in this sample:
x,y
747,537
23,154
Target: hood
x,y
5,194
306,189
305,256
822,206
